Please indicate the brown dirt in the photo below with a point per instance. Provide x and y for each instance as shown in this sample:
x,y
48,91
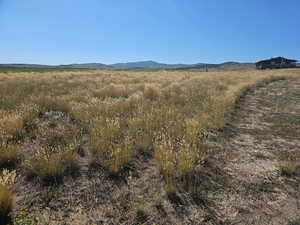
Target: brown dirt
x,y
241,182
264,135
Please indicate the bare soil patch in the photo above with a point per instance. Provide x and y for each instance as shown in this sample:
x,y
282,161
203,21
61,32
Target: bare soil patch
x,y
262,139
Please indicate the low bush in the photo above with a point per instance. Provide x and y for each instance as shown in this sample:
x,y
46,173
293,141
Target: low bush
x,y
295,222
287,170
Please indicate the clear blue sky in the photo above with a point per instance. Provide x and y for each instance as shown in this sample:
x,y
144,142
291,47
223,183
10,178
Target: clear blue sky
x,y
170,31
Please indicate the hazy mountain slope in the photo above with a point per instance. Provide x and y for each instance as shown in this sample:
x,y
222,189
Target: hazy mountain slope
x,y
222,66
25,66
87,66
147,65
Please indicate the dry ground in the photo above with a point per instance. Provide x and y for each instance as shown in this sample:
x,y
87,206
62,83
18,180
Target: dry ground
x,y
259,144
247,148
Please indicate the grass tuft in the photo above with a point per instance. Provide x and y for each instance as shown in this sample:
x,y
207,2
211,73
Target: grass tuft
x,y
7,180
11,125
51,164
9,155
142,213
6,204
110,145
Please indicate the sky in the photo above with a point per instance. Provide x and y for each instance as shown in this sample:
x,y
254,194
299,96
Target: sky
x,y
169,31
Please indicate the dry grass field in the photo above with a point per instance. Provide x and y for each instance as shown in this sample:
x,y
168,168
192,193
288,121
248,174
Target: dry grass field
x,y
113,147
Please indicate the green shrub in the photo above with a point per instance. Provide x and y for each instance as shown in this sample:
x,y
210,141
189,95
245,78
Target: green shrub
x,y
287,171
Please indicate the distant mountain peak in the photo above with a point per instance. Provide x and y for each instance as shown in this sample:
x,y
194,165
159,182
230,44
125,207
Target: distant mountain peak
x,y
147,61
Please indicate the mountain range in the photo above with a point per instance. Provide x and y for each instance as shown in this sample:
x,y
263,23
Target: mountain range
x,y
142,65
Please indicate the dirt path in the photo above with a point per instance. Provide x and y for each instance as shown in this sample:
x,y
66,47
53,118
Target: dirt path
x,y
262,148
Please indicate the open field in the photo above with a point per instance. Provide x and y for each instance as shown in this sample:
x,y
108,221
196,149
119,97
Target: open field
x,y
123,147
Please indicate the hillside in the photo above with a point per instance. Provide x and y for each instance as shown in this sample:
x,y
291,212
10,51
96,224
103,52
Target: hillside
x,y
141,65
149,65
87,66
222,66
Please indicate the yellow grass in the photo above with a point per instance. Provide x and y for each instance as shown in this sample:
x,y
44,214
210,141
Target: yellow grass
x,y
7,180
6,200
9,154
11,124
50,164
127,112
